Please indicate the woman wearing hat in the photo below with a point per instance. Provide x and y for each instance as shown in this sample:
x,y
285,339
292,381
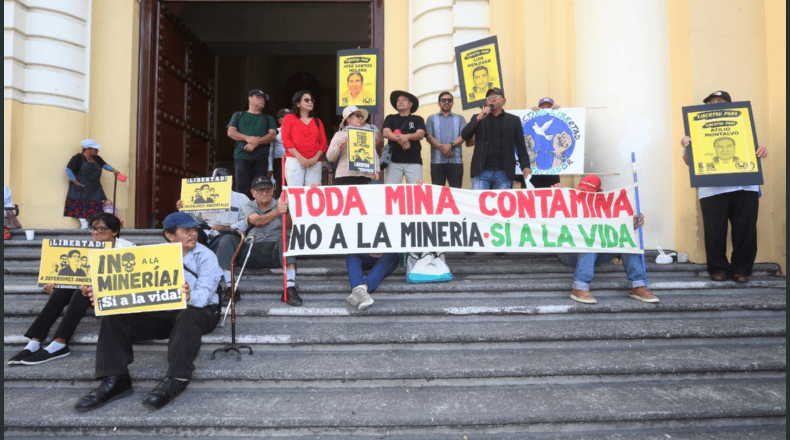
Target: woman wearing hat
x,y
338,148
304,140
86,196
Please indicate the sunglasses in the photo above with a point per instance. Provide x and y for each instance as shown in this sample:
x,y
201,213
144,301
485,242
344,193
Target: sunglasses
x,y
446,100
308,100
357,115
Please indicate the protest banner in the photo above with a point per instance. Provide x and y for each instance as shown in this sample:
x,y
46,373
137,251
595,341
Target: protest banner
x,y
555,139
65,263
206,194
361,150
414,218
137,279
357,70
479,69
723,145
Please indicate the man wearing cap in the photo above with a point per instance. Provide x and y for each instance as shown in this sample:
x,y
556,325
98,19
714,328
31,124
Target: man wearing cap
x,y
222,221
494,160
443,133
264,215
541,180
356,93
585,263
252,131
737,205
183,328
404,131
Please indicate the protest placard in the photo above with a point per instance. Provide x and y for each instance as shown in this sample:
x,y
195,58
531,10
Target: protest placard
x,y
361,150
555,139
65,263
357,70
723,145
206,194
479,69
414,218
137,279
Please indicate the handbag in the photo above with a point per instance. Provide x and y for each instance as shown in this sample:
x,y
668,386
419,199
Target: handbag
x,y
430,267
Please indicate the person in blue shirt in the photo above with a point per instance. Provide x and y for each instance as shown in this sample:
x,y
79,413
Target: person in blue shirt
x,y
183,328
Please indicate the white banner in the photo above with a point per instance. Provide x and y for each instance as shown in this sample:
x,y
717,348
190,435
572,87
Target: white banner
x,y
405,218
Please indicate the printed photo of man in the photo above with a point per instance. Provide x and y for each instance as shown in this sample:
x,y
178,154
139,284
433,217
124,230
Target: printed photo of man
x,y
356,94
204,195
481,84
74,267
725,158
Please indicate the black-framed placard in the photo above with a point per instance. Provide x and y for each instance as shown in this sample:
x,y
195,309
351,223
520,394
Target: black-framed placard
x,y
479,69
357,70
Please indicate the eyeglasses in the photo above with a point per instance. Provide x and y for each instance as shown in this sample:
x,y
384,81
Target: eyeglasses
x,y
446,100
358,115
307,99
491,97
99,229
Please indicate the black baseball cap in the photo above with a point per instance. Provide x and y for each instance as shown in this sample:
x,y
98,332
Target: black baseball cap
x,y
496,91
262,182
256,92
718,94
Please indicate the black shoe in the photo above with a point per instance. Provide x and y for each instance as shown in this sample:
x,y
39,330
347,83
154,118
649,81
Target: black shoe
x,y
111,388
17,359
42,356
164,393
293,296
740,279
226,296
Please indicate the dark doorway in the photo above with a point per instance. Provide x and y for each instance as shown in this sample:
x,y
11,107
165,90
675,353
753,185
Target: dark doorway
x,y
198,59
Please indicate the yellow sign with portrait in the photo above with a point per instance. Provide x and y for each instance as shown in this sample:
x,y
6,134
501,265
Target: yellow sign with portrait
x,y
723,145
137,279
206,194
357,72
66,263
361,150
479,69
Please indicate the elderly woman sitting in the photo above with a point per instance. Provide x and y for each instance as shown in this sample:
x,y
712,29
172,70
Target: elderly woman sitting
x,y
104,227
338,149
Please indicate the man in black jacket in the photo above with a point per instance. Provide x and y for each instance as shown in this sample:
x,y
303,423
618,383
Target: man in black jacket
x,y
493,160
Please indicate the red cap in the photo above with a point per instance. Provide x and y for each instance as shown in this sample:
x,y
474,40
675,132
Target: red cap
x,y
590,184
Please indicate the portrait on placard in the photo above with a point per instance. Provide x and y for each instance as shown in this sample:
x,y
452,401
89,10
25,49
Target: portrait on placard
x,y
479,69
723,145
361,150
357,71
138,279
206,194
65,263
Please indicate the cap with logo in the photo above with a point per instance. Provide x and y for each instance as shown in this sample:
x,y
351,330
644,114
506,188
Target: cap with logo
x,y
545,100
258,92
262,182
590,184
718,94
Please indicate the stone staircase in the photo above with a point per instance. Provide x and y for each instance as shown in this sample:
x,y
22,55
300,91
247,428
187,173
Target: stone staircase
x,y
500,352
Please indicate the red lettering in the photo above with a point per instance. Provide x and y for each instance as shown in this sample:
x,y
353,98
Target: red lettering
x,y
544,195
446,201
333,209
482,202
591,204
604,202
622,204
354,200
313,210
297,193
423,198
511,208
578,198
558,204
395,195
409,201
526,204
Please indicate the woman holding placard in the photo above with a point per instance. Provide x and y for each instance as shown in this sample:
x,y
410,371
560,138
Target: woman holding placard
x,y
338,148
304,140
104,227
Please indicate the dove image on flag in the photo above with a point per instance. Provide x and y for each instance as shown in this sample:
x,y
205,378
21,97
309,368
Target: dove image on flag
x,y
555,139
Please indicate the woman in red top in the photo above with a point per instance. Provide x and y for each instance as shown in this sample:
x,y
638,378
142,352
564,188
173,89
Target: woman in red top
x,y
304,140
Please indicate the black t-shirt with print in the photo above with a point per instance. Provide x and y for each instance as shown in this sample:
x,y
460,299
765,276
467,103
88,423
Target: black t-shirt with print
x,y
407,125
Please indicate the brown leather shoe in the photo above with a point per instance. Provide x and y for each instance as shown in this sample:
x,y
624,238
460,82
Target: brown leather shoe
x,y
582,296
642,293
740,278
718,276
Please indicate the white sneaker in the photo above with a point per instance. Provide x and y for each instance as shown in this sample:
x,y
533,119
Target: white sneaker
x,y
357,295
366,302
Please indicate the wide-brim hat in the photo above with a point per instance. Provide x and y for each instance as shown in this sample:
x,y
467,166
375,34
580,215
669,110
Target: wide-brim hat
x,y
718,94
348,111
415,103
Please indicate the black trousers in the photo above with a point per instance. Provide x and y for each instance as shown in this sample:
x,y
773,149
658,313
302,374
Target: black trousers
x,y
740,209
447,172
183,328
352,180
539,180
277,173
60,299
246,170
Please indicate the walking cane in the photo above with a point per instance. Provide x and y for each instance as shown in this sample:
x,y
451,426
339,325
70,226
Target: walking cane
x,y
638,213
285,267
232,305
251,240
114,193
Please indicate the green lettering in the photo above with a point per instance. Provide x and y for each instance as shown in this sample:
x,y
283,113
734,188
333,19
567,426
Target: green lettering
x,y
526,236
508,242
499,239
565,237
589,240
546,242
625,236
611,236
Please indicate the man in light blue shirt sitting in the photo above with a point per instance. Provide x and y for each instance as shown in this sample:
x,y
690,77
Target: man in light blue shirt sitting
x,y
737,205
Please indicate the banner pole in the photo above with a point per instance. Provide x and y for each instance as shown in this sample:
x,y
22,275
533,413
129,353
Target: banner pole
x,y
285,267
638,212
114,194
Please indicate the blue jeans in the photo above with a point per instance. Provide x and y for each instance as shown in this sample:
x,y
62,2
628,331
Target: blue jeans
x,y
246,170
585,268
491,180
379,268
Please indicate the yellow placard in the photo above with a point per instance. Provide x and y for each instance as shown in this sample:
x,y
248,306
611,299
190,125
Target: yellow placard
x,y
357,78
361,150
137,279
206,194
481,71
66,263
722,141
